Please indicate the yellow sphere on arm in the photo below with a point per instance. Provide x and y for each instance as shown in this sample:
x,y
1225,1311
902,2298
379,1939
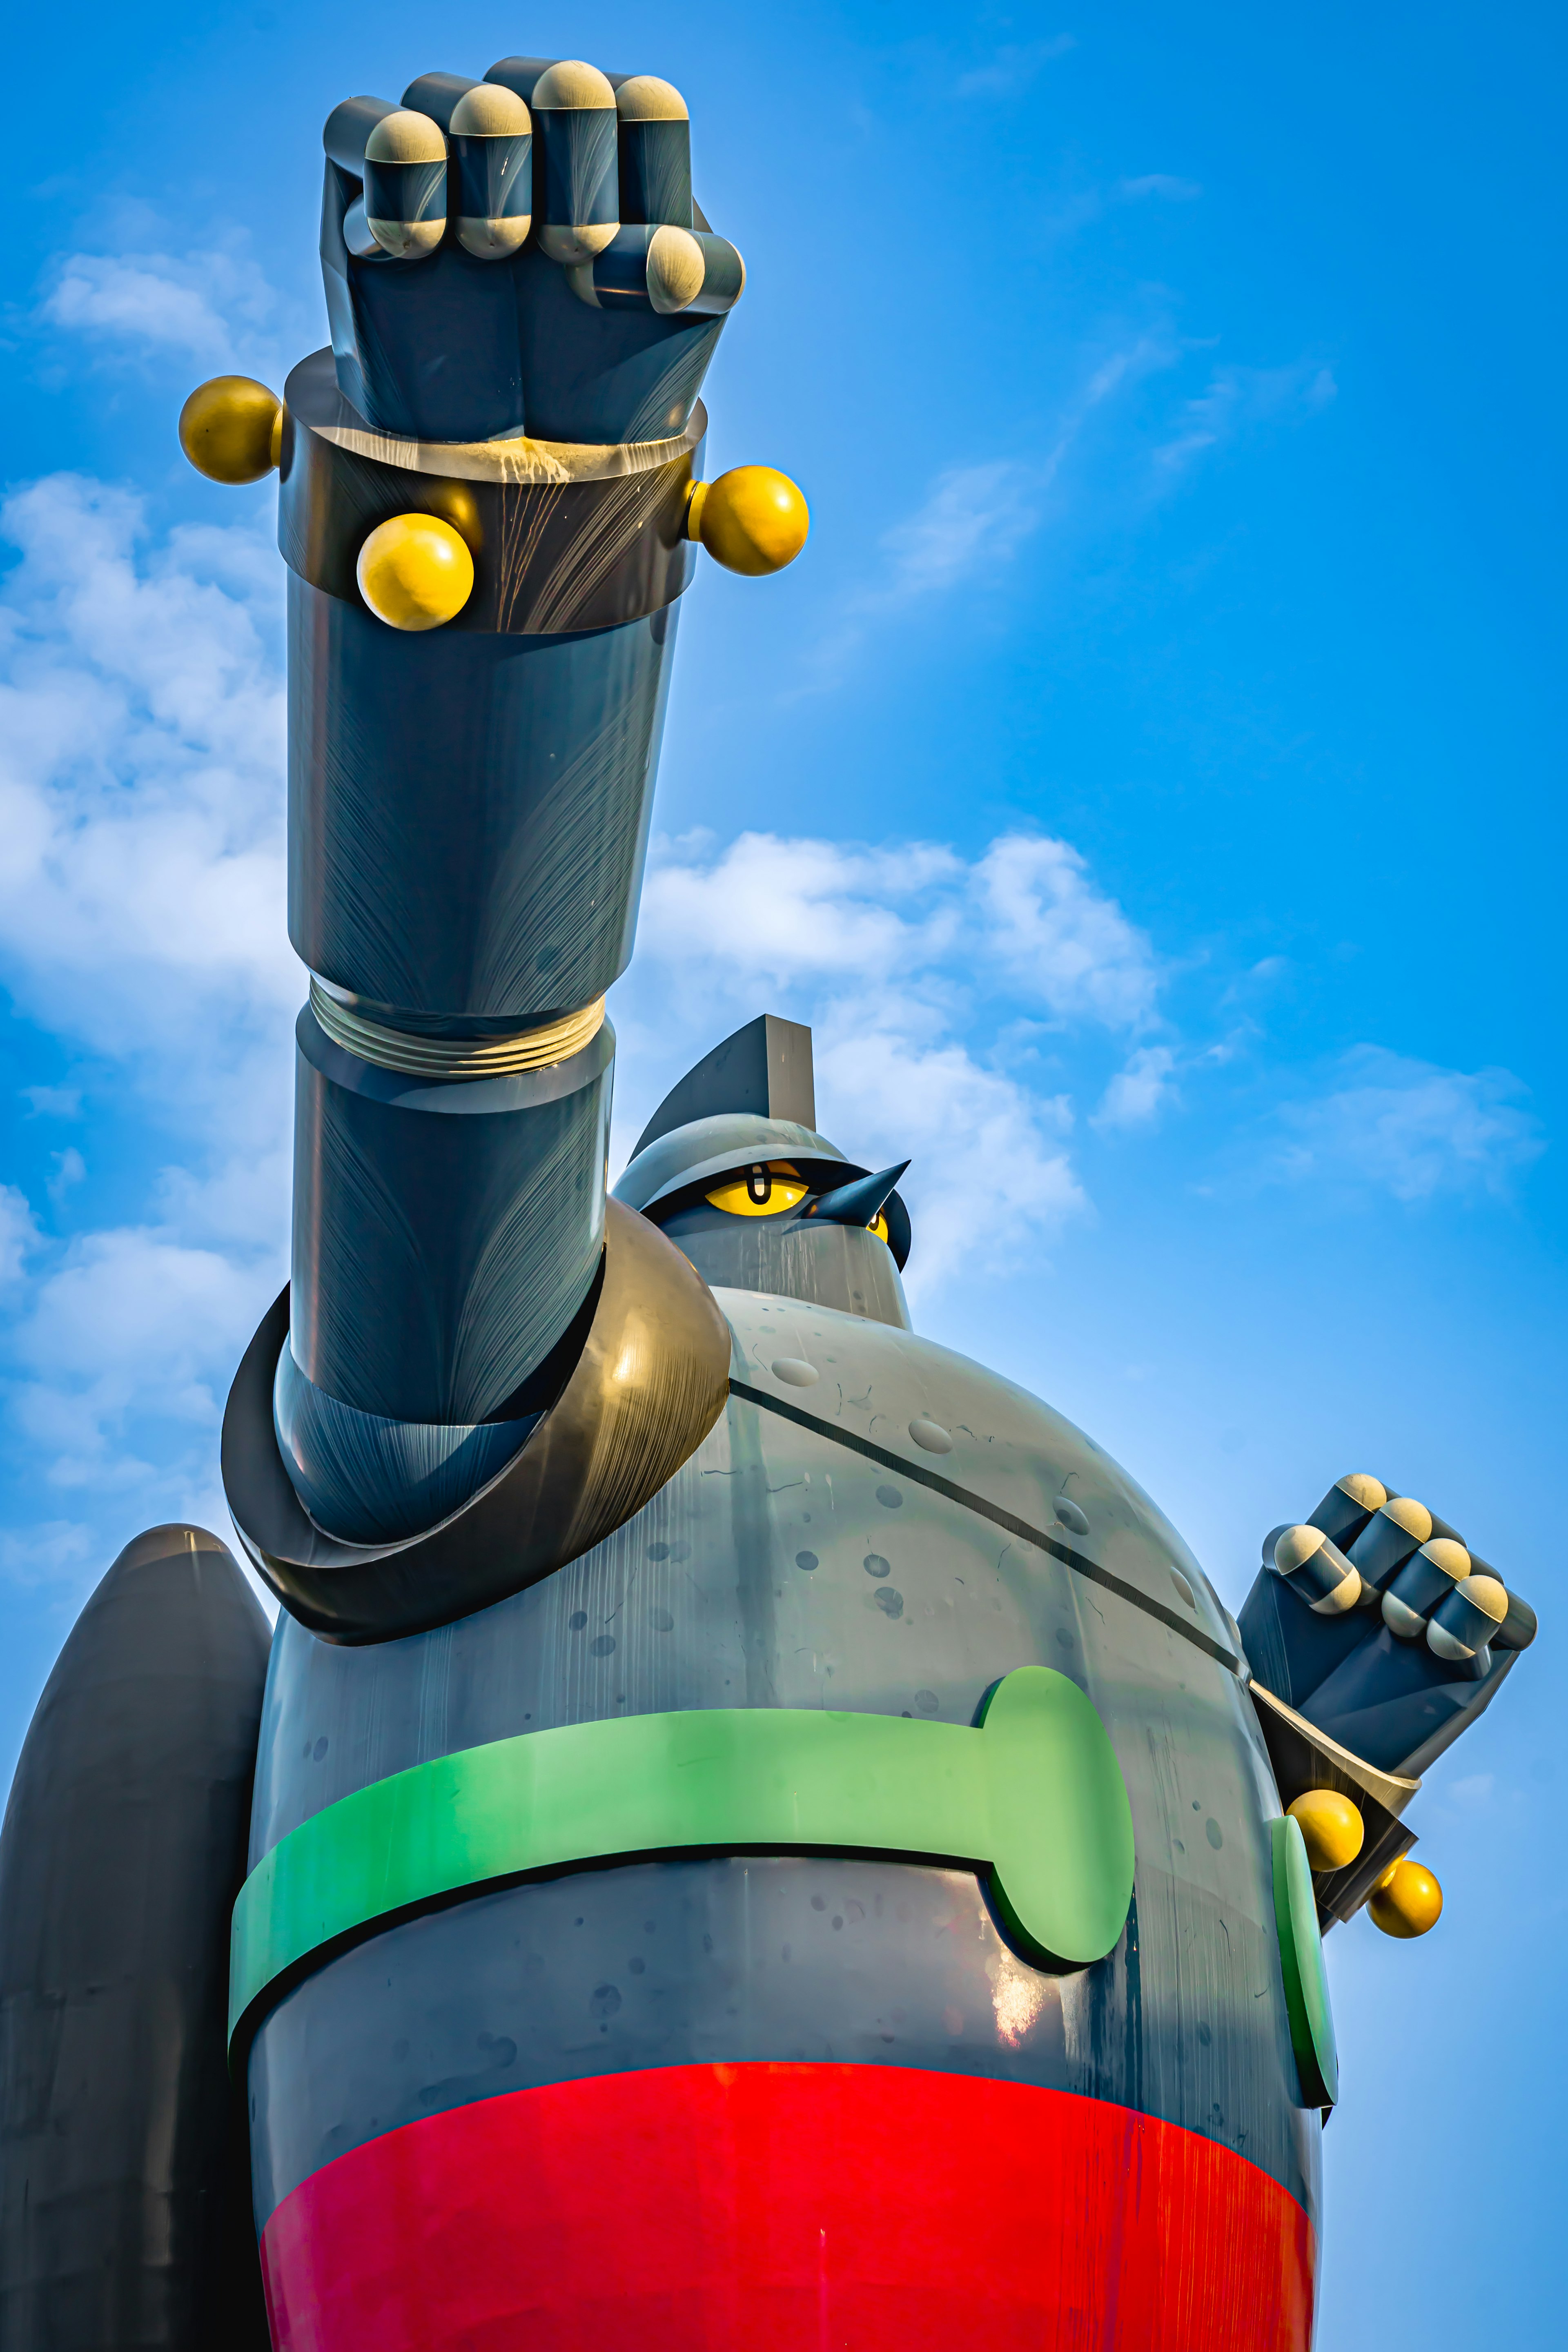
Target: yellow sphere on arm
x,y
752,520
1406,1900
231,429
1332,1830
415,571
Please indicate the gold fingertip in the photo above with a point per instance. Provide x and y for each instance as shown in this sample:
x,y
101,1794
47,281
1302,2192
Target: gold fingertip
x,y
570,245
404,137
407,240
645,99
493,240
676,268
489,111
572,84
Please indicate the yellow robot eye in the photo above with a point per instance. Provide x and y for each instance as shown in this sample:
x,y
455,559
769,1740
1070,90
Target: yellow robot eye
x,y
879,1226
759,1192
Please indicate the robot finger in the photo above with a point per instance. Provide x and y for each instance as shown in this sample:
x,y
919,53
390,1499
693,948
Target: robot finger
x,y
723,275
1519,1627
519,75
576,178
1427,1576
1347,1506
399,157
343,136
492,153
489,134
1395,1529
437,94
661,269
348,127
1463,1624
1315,1568
655,153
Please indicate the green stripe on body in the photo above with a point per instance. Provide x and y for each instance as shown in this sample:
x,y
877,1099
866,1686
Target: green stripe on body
x,y
1034,1794
1302,1965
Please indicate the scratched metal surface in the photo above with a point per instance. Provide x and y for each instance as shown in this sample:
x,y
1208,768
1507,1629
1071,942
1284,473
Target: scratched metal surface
x,y
782,1567
702,1601
821,1959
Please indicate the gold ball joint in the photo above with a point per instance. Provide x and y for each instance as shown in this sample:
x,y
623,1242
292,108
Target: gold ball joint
x,y
414,572
231,429
1406,1901
1332,1829
752,520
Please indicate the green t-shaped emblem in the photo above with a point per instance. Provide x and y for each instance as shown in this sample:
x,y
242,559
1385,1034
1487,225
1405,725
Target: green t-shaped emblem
x,y
1033,1795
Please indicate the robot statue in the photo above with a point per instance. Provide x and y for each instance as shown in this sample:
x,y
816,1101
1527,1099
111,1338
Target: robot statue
x,y
751,1830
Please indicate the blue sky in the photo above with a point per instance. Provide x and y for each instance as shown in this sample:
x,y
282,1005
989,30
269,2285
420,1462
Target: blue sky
x,y
1149,783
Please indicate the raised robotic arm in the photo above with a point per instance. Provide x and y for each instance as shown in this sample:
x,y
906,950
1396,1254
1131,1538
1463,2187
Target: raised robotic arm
x,y
488,496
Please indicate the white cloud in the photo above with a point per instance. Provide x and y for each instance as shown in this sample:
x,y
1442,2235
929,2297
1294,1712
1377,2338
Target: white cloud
x,y
780,910
913,964
973,515
18,1233
976,517
1411,1129
132,1325
52,1551
1082,207
1090,460
142,913
1237,397
1013,68
1476,1793
1163,186
53,1102
973,519
214,308
989,1174
1063,940
70,1169
142,731
1140,1091
1024,918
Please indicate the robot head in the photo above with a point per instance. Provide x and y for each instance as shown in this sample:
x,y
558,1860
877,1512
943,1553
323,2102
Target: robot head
x,y
731,1168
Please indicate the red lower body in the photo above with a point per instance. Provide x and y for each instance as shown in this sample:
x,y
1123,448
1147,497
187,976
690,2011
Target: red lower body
x,y
764,2207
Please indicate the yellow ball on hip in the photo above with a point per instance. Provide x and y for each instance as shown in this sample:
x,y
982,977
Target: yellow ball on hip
x,y
414,572
1332,1830
752,520
1406,1900
231,429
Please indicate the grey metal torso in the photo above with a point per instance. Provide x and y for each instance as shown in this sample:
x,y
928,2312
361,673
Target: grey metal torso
x,y
790,1563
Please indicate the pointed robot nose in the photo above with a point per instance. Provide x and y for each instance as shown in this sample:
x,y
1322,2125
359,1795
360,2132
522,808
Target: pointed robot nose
x,y
859,1203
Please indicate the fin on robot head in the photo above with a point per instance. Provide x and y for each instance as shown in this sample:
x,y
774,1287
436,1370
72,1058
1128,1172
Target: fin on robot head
x,y
732,1169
